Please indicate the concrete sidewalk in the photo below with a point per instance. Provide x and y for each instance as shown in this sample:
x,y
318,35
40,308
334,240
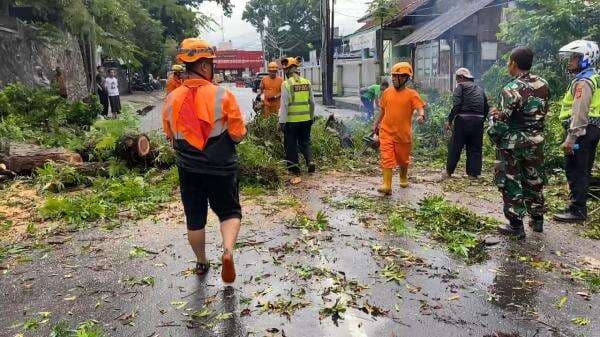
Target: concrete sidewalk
x,y
348,102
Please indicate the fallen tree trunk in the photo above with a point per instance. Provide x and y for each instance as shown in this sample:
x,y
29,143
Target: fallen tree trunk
x,y
25,158
133,148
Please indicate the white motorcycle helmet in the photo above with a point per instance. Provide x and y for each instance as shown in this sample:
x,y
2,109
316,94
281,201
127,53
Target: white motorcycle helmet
x,y
588,49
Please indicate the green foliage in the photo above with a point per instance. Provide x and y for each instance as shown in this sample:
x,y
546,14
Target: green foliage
x,y
85,329
164,154
88,329
383,10
398,224
61,329
589,276
318,224
140,281
545,26
56,177
138,194
132,30
43,117
302,17
428,139
261,153
104,134
455,226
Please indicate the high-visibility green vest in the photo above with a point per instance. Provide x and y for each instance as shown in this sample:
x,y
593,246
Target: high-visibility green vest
x,y
299,109
568,100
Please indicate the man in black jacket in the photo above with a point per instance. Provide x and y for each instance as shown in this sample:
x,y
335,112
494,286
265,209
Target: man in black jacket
x,y
466,123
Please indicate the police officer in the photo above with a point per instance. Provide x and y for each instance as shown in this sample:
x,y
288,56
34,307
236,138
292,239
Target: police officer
x,y
518,132
580,114
296,117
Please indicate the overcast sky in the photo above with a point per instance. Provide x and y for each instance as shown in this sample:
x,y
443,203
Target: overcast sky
x,y
244,36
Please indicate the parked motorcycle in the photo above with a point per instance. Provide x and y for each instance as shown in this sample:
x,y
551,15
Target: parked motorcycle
x,y
141,86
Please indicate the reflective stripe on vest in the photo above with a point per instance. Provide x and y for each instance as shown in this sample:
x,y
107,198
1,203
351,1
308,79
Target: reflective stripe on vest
x,y
176,133
569,99
299,104
218,125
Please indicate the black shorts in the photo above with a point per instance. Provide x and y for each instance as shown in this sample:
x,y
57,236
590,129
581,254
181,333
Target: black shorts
x,y
115,104
198,190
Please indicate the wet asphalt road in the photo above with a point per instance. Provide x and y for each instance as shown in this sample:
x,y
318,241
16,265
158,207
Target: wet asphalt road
x,y
287,277
245,96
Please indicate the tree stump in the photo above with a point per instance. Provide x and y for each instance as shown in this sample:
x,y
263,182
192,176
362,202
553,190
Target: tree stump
x,y
134,149
25,158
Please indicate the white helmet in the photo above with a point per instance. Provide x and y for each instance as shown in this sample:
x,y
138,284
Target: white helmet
x,y
588,49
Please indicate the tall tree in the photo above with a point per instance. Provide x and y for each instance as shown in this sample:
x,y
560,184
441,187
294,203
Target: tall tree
x,y
289,27
139,31
545,26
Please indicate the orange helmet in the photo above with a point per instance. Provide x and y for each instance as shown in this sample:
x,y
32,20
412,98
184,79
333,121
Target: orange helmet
x,y
273,66
402,68
192,50
291,61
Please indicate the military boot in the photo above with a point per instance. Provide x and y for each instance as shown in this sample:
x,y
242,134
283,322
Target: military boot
x,y
571,216
386,187
537,224
403,176
514,228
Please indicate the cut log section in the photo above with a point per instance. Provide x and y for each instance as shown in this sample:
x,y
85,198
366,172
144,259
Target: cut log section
x,y
6,174
134,149
25,158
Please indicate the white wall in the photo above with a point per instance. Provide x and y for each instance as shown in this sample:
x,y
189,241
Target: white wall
x,y
354,75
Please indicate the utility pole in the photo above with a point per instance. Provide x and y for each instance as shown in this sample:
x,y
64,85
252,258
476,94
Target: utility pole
x,y
262,44
330,65
326,54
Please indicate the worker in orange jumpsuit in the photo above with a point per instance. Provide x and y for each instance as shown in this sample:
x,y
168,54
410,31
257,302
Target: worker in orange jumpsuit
x,y
394,125
176,78
204,123
270,88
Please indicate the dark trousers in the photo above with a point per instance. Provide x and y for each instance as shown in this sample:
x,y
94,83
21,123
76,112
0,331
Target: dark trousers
x,y
579,169
467,132
103,97
115,104
369,108
296,138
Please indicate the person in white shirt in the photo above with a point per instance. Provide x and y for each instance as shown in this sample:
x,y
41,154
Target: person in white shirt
x,y
112,88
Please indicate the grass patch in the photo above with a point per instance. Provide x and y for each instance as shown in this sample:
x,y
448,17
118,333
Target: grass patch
x,y
364,204
138,194
590,277
253,190
289,201
454,226
398,224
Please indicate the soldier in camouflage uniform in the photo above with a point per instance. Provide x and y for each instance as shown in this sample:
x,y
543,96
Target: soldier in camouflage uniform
x,y
518,132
